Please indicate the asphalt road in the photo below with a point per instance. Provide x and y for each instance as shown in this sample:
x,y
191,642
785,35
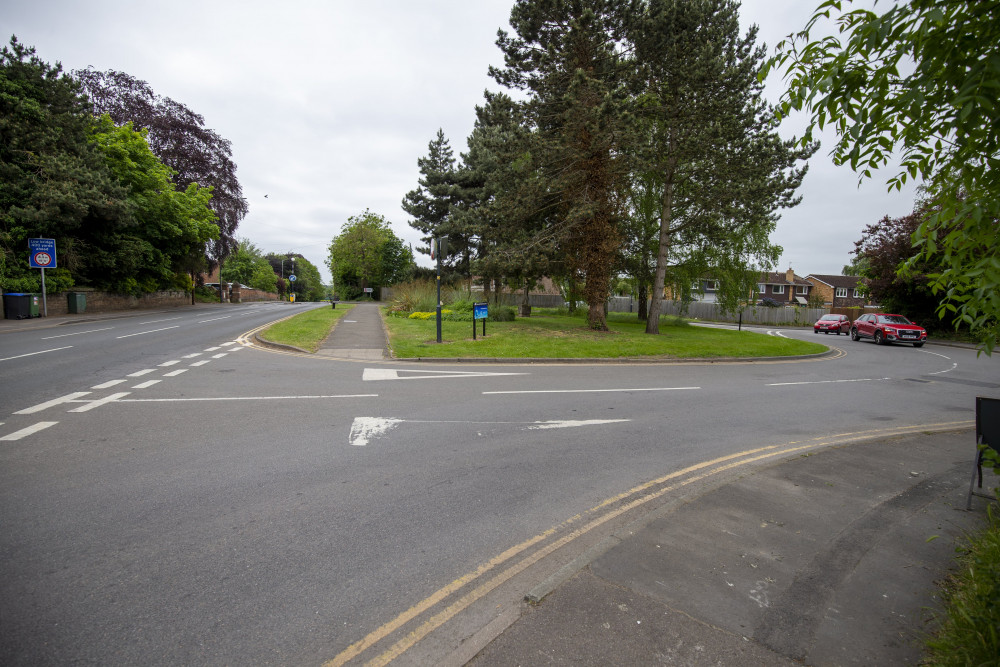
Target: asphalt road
x,y
267,508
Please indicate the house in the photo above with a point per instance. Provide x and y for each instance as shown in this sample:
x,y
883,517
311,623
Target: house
x,y
838,291
785,288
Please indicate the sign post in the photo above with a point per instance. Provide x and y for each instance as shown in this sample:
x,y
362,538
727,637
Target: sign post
x,y
480,311
42,255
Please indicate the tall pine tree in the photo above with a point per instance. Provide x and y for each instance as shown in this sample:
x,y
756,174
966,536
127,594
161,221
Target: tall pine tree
x,y
704,134
565,56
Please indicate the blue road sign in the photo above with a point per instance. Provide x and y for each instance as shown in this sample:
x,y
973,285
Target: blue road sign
x,y
42,253
292,278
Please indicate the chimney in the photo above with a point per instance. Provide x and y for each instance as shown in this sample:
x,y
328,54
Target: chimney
x,y
790,276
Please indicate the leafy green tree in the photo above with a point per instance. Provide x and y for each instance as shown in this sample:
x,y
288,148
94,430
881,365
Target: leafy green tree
x,y
308,285
704,140
247,266
367,253
178,136
165,225
565,56
54,182
919,80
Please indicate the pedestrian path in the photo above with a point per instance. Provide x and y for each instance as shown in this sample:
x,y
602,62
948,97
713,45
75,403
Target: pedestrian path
x,y
358,334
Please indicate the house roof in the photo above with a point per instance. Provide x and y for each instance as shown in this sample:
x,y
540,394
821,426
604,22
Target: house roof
x,y
837,281
781,279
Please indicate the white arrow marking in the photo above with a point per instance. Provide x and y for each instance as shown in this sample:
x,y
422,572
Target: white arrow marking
x,y
363,429
393,374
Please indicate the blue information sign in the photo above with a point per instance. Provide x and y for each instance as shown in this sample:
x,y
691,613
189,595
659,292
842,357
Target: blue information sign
x,y
42,253
479,311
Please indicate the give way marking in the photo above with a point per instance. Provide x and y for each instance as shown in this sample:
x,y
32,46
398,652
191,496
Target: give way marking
x,y
371,374
363,429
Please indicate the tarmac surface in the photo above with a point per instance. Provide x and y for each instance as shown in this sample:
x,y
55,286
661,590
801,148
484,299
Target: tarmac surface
x,y
830,558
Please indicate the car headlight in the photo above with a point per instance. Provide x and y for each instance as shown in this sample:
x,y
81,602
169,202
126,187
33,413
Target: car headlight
x,y
890,330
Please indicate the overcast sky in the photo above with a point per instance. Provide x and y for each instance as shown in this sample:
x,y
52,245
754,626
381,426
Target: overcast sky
x,y
328,105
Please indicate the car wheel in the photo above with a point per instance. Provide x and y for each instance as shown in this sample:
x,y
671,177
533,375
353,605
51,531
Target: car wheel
x,y
878,338
918,345
838,332
854,335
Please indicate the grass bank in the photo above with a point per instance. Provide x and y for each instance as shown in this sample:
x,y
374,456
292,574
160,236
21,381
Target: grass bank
x,y
306,330
970,629
551,335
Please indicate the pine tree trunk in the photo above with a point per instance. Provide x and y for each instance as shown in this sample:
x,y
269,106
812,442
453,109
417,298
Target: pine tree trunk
x,y
653,323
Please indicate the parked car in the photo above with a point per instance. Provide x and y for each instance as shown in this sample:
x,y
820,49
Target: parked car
x,y
833,324
888,328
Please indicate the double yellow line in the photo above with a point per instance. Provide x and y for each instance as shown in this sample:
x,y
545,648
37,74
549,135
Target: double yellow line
x,y
601,513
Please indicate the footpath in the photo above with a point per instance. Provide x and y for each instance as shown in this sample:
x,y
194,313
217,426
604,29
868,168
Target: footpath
x,y
831,558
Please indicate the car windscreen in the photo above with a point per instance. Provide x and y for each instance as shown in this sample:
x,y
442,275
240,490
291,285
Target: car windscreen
x,y
894,319
830,317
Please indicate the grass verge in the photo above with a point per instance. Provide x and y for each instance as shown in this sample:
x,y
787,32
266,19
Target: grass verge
x,y
970,629
306,330
556,336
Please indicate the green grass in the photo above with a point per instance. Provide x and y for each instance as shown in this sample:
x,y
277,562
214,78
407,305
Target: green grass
x,y
970,630
558,336
306,330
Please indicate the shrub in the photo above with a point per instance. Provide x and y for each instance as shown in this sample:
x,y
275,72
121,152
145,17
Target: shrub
x,y
769,302
502,314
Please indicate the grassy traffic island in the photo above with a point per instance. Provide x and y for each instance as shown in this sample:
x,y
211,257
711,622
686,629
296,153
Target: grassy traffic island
x,y
547,334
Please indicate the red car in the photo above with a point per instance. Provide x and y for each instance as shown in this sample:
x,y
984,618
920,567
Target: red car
x,y
887,328
833,324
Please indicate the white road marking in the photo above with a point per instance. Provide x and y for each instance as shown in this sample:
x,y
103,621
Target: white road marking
x,y
99,402
55,401
77,333
793,384
947,370
242,398
219,355
590,391
108,384
371,374
147,384
350,321
214,319
31,354
212,349
172,362
201,363
167,319
144,371
24,432
775,333
228,343
172,374
143,333
191,356
363,429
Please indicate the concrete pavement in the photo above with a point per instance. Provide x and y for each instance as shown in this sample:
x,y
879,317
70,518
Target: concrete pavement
x,y
833,558
358,334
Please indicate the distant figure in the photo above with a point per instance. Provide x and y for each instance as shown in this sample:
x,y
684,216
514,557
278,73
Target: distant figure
x,y
265,196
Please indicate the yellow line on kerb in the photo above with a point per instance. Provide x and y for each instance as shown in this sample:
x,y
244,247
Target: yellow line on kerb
x,y
463,602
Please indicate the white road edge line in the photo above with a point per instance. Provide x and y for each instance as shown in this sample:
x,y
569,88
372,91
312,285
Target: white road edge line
x,y
108,384
77,333
793,384
142,333
55,401
24,432
589,391
240,398
31,354
90,405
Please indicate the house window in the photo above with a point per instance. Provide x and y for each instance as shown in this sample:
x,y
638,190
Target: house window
x,y
802,289
841,293
858,294
777,289
761,288
711,285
